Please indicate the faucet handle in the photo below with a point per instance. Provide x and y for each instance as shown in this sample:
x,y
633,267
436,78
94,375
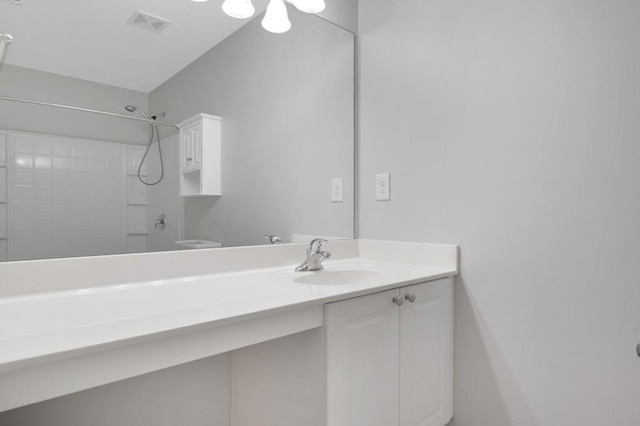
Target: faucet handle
x,y
316,244
273,239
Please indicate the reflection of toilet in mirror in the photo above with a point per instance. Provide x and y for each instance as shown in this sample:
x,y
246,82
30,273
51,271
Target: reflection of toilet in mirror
x,y
306,238
197,244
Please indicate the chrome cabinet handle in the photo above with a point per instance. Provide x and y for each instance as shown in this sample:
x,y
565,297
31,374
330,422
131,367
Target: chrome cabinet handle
x,y
410,297
398,300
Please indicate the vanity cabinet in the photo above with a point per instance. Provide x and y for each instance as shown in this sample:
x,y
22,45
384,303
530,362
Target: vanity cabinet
x,y
390,357
200,156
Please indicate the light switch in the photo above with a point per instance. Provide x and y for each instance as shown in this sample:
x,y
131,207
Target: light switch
x,y
336,190
383,190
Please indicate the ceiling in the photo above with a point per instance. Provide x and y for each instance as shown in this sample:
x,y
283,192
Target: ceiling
x,y
91,40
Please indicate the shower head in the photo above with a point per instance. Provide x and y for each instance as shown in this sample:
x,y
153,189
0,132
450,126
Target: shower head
x,y
133,108
5,41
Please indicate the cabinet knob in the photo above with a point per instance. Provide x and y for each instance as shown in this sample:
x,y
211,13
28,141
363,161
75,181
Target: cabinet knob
x,y
410,297
398,300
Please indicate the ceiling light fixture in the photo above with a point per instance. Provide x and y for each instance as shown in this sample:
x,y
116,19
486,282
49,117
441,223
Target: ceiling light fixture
x,y
309,6
239,9
276,18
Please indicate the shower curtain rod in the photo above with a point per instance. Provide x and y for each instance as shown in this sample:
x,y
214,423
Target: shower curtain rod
x,y
92,111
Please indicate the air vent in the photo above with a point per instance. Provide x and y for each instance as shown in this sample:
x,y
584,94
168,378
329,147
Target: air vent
x,y
148,22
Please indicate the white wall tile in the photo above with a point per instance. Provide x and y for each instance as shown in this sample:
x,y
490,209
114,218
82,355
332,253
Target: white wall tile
x,y
23,193
23,208
43,177
61,178
42,162
3,184
3,149
80,165
23,144
62,148
136,191
3,221
61,163
24,160
137,243
80,150
42,147
23,177
64,203
137,219
134,156
3,251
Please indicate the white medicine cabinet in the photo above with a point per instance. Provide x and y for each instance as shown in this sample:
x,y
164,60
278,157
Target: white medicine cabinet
x,y
200,156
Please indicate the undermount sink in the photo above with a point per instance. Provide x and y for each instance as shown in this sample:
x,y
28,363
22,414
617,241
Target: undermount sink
x,y
339,276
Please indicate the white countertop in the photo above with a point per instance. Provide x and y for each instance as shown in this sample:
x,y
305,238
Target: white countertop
x,y
50,323
44,327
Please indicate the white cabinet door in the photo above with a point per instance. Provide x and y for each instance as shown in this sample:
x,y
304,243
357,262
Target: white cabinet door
x,y
191,143
362,361
426,354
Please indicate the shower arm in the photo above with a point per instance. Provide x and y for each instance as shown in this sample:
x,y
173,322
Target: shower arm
x,y
91,111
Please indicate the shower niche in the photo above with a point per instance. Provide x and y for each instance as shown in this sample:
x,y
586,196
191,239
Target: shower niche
x,y
200,156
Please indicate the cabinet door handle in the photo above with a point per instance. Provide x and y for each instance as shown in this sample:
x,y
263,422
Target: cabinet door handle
x,y
638,349
398,300
410,297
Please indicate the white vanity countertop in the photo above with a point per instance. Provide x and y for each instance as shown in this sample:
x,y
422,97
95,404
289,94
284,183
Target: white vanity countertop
x,y
42,327
49,323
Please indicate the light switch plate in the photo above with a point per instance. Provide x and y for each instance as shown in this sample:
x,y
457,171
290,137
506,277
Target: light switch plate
x,y
336,190
383,189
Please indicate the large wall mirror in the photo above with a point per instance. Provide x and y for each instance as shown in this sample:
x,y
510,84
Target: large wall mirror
x,y
69,183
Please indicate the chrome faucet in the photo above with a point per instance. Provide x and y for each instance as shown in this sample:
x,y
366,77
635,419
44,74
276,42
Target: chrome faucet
x,y
161,222
273,239
314,257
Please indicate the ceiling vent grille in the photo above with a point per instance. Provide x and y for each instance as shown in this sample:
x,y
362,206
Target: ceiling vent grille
x,y
148,22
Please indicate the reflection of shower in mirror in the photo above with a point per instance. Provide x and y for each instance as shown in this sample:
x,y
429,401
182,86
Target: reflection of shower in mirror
x,y
155,135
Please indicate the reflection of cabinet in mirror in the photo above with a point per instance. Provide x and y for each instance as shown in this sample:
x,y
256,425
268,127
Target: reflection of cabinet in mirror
x,y
200,166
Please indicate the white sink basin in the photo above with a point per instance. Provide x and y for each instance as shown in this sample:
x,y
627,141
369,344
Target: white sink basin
x,y
339,276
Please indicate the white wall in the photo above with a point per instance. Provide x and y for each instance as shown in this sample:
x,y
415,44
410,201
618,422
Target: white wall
x,y
288,125
46,87
275,383
193,394
343,13
512,129
163,197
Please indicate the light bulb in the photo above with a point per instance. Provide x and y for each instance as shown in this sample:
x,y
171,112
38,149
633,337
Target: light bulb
x,y
309,6
239,9
276,19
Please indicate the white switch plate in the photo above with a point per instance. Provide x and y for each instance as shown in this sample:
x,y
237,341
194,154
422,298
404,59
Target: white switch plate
x,y
336,190
383,190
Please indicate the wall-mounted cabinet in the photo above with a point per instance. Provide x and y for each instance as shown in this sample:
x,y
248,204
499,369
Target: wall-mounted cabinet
x,y
200,156
390,357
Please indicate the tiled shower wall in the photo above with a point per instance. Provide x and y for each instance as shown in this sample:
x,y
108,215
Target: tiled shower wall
x,y
71,197
3,196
